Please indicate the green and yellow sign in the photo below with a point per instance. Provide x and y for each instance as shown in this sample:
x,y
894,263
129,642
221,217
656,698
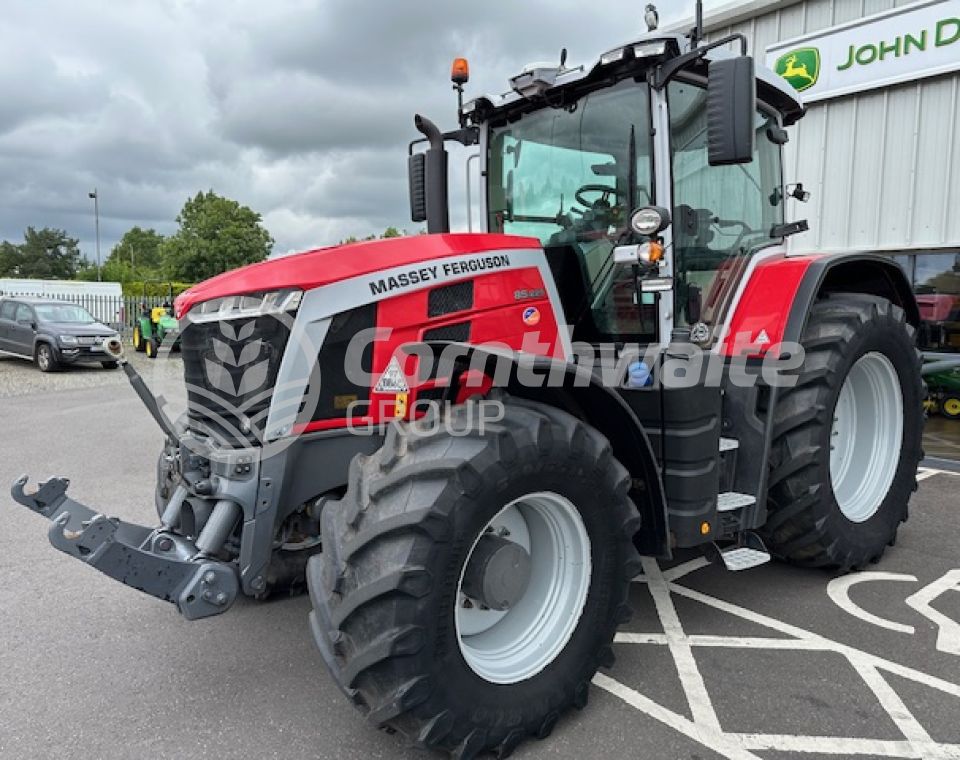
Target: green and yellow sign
x,y
900,45
800,67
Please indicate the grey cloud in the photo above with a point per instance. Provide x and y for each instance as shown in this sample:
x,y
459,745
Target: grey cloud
x,y
301,110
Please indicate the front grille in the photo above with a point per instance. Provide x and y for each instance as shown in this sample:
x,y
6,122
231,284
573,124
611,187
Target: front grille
x,y
230,368
89,340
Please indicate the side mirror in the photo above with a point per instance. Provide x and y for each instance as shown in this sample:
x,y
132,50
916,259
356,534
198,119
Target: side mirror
x,y
417,177
731,109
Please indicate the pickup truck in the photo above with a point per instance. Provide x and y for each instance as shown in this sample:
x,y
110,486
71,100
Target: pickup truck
x,y
52,333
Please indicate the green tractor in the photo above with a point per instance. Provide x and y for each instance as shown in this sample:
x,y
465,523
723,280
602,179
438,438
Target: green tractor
x,y
152,327
944,389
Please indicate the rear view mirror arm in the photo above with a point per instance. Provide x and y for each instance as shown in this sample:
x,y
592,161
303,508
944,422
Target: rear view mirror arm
x,y
662,75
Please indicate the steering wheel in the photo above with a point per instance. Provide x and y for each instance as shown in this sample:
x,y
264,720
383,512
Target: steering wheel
x,y
745,229
606,192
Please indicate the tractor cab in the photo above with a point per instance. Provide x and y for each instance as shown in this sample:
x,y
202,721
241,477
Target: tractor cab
x,y
659,142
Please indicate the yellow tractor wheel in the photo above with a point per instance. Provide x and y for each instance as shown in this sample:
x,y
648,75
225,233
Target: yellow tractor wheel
x,y
951,407
151,348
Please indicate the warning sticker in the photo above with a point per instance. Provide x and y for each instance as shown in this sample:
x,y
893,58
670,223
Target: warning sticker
x,y
392,380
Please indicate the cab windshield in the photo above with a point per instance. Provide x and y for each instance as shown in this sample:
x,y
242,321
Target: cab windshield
x,y
570,176
572,173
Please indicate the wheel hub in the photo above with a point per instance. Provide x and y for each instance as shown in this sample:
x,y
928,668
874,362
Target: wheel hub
x,y
866,437
498,573
534,555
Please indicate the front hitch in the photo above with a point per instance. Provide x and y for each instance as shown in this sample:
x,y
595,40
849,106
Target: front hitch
x,y
154,561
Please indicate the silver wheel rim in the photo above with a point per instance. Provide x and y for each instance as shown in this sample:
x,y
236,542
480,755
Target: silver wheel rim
x,y
511,646
43,358
866,437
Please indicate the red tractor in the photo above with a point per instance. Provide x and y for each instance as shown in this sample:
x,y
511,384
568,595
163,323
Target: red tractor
x,y
440,432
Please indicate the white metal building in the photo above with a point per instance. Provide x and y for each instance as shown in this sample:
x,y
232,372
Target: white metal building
x,y
882,161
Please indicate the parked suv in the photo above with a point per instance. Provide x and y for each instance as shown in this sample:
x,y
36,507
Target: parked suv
x,y
52,333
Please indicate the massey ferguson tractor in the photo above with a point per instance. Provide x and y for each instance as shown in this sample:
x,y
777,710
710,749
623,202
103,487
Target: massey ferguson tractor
x,y
411,427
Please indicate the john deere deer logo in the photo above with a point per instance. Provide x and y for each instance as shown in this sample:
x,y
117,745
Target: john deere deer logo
x,y
800,68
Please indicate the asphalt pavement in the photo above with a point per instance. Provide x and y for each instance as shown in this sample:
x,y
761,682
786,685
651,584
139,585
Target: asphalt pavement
x,y
776,662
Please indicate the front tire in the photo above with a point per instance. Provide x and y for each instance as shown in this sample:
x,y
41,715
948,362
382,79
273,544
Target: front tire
x,y
151,347
45,359
847,436
391,616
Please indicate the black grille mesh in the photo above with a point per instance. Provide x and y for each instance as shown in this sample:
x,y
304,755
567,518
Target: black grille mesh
x,y
458,332
230,369
450,298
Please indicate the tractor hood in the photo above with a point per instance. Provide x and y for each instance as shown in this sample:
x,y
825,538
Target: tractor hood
x,y
323,266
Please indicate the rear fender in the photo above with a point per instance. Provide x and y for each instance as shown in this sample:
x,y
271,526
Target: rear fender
x,y
581,393
869,274
781,292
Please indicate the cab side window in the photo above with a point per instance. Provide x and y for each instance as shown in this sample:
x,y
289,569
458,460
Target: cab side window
x,y
8,309
24,313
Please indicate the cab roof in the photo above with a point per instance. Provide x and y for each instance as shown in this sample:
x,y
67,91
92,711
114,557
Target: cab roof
x,y
559,82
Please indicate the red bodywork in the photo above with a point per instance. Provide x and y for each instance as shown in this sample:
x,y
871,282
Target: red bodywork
x,y
765,306
498,315
323,266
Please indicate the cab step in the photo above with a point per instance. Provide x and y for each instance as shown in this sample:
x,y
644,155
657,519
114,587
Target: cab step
x,y
748,551
730,501
743,558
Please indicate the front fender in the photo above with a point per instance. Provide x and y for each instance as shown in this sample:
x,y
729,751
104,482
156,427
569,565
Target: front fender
x,y
581,393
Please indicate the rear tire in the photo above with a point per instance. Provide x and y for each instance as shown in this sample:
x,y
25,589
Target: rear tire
x,y
950,407
860,392
138,341
45,359
386,590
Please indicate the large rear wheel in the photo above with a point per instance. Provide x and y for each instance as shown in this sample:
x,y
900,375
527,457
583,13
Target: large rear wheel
x,y
847,437
472,578
139,343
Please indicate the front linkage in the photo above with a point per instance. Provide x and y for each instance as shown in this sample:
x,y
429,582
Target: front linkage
x,y
154,561
160,561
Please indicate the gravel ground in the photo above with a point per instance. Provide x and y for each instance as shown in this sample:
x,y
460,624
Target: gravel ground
x,y
19,377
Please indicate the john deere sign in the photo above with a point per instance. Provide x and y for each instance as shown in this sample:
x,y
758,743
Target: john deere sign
x,y
904,44
800,67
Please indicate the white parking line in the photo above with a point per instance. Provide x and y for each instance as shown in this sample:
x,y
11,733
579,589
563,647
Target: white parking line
x,y
705,727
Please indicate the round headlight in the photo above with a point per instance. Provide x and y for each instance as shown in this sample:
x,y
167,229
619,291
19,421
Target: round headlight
x,y
646,221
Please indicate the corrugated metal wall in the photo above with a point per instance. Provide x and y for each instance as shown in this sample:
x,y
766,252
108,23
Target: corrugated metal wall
x,y
883,165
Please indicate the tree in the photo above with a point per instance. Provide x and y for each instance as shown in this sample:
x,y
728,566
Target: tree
x,y
215,234
136,256
390,232
45,254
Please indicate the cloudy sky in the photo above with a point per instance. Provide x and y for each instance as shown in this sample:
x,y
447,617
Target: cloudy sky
x,y
301,109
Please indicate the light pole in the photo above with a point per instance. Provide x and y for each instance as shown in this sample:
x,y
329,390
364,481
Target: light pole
x,y
96,221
